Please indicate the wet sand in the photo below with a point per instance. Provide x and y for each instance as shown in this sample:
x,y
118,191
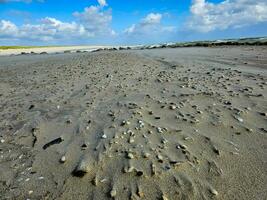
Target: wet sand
x,y
184,123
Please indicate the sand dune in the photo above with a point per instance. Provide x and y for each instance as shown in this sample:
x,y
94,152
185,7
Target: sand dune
x,y
152,124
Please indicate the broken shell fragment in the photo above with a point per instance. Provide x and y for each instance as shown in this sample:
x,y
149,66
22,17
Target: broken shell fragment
x,y
159,130
160,158
213,191
113,193
130,156
146,155
104,136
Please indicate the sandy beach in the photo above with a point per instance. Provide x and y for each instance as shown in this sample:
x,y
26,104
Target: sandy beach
x,y
48,50
170,124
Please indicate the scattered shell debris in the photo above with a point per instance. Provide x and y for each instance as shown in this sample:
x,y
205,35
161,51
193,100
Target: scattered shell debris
x,y
120,125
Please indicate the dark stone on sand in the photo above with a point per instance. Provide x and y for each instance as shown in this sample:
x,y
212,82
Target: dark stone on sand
x,y
55,141
139,173
31,107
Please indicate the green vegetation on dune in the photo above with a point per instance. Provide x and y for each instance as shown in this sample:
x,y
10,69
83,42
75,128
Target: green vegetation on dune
x,y
22,47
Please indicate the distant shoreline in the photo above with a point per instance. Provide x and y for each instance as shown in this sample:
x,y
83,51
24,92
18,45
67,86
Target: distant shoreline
x,y
16,50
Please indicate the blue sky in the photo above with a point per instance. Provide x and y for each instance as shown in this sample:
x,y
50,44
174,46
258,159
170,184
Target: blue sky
x,y
81,22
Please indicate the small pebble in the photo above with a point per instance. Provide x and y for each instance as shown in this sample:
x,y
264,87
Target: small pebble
x,y
172,107
263,114
63,159
131,140
124,122
104,136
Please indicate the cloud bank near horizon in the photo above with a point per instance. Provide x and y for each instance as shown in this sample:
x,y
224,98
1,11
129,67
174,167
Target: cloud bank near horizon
x,y
95,21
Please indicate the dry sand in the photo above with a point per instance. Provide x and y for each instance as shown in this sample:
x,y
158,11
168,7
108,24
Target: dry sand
x,y
186,123
51,49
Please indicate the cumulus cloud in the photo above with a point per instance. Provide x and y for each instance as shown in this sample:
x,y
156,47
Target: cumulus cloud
x,y
151,24
47,29
102,2
207,16
152,18
7,28
92,22
96,20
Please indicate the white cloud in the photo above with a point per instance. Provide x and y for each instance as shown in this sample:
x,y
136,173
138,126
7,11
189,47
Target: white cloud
x,y
7,28
152,18
131,29
208,16
151,24
102,2
95,20
47,29
53,29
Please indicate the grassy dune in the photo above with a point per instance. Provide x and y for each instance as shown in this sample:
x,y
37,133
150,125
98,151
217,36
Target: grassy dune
x,y
22,47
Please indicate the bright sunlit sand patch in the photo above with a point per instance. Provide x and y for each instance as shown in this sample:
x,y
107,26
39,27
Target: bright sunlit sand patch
x,y
10,50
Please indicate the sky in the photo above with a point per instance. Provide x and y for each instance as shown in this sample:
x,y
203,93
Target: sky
x,y
128,22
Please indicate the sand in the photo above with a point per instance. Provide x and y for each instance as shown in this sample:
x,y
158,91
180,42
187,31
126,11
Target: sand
x,y
49,50
185,123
